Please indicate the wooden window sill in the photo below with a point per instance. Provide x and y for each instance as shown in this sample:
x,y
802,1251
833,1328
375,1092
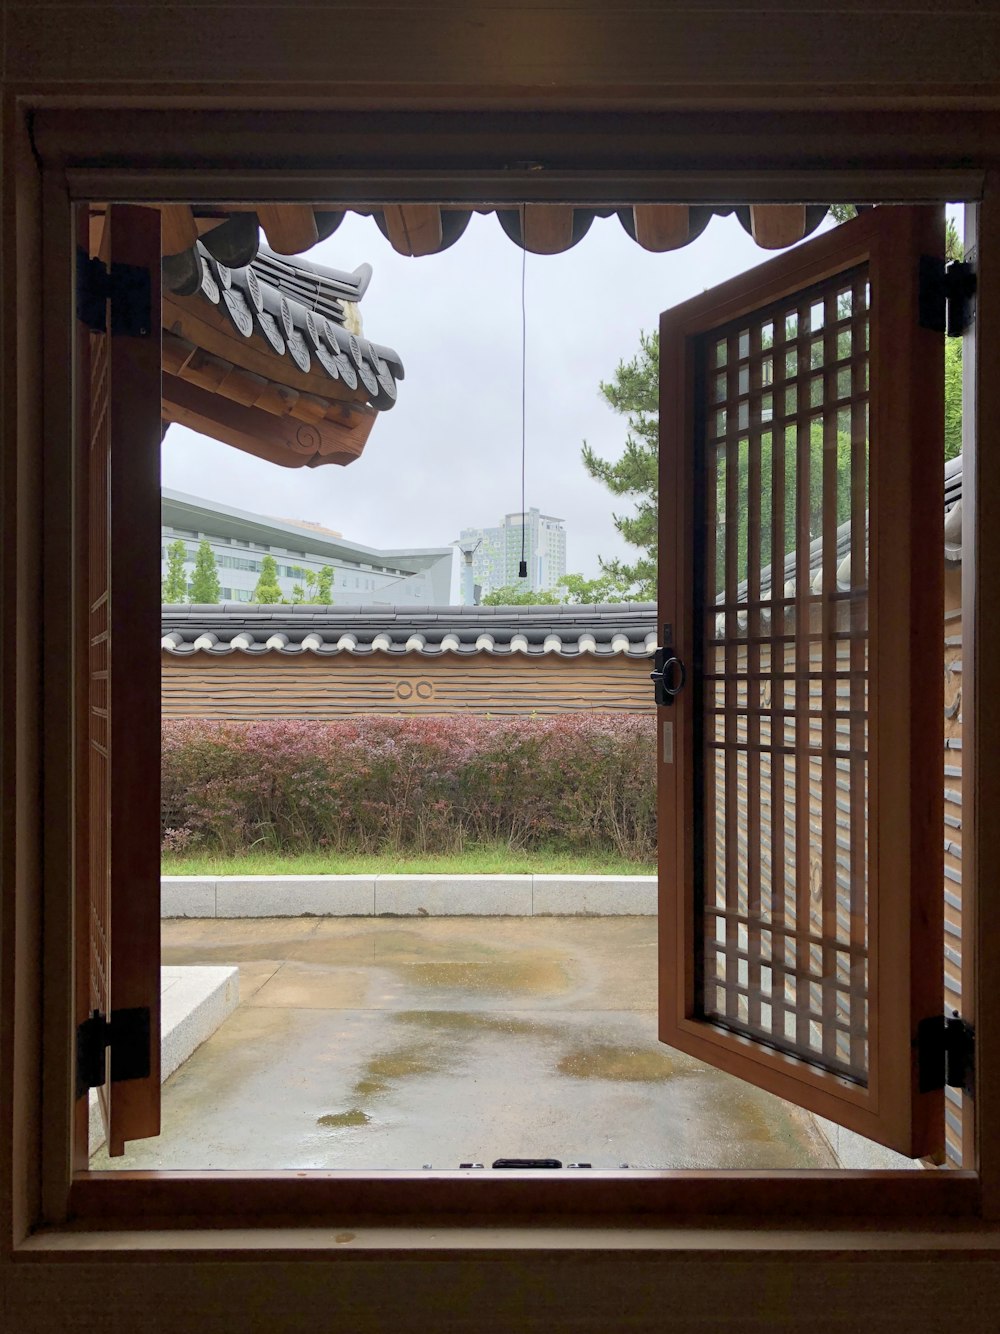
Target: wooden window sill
x,y
698,1237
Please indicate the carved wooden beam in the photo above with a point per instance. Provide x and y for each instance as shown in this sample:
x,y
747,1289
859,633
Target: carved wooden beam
x,y
775,226
290,228
660,227
284,440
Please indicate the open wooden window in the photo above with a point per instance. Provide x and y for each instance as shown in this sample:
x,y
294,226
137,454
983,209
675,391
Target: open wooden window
x,y
801,587
118,669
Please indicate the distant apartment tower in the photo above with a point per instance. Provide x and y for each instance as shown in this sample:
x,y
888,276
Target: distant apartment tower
x,y
362,576
498,557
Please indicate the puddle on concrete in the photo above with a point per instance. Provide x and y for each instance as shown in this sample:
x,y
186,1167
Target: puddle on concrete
x,y
370,1088
408,1062
355,1117
534,977
471,1021
623,1064
443,938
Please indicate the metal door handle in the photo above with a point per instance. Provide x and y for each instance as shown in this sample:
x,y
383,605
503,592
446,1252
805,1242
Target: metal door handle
x,y
668,676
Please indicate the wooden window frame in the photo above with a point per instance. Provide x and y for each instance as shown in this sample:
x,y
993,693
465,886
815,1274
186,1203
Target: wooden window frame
x,y
53,1187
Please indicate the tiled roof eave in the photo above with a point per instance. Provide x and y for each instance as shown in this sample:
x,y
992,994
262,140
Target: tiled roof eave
x,y
605,632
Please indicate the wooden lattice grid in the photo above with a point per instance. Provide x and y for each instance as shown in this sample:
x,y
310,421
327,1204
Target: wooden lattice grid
x,y
782,620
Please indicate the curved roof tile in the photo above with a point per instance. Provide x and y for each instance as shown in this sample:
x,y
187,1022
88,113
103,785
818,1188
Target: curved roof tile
x,y
626,629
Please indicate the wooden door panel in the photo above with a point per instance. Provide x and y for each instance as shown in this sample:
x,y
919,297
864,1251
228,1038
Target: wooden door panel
x,y
801,509
119,837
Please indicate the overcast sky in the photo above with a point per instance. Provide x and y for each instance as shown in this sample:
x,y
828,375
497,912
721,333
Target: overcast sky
x,y
447,456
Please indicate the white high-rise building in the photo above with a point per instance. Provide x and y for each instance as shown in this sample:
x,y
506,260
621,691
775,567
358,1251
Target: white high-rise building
x,y
498,557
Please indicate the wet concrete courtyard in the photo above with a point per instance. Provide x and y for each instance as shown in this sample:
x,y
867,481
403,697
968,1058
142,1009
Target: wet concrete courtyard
x,y
405,1042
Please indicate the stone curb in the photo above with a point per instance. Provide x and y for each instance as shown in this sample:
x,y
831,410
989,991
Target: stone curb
x,y
194,1001
409,896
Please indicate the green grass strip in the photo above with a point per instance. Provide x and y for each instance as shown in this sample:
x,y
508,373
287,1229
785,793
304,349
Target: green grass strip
x,y
473,861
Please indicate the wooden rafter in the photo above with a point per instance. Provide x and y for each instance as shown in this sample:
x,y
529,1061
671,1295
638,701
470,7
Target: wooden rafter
x,y
218,376
660,227
178,229
547,228
414,229
290,228
775,226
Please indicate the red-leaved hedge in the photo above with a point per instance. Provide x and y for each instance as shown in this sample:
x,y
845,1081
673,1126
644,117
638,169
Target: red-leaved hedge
x,y
372,784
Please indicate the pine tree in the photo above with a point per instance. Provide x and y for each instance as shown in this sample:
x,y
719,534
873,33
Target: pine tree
x,y
634,393
175,586
205,580
268,589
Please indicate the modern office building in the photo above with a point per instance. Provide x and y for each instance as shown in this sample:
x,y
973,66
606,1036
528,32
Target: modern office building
x,y
362,576
497,559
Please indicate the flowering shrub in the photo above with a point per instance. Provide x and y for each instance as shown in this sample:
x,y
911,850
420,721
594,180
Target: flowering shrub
x,y
376,784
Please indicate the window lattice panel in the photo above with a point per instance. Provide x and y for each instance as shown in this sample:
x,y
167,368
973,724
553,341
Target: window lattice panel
x,y
781,606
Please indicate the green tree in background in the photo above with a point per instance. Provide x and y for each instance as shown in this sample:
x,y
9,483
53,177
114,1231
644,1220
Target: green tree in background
x,y
205,579
323,589
633,393
572,588
267,588
175,587
605,588
952,397
512,596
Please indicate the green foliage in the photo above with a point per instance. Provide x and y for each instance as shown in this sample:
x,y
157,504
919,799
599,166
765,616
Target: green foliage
x,y
843,212
267,588
316,588
487,858
512,596
634,394
175,587
605,588
570,588
954,247
322,586
952,397
574,783
205,579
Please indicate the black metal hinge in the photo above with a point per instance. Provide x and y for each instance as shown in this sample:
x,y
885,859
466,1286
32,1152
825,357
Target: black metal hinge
x,y
947,295
127,287
946,1053
126,1034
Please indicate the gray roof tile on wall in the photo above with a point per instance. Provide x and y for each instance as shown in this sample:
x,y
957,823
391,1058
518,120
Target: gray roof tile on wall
x,y
606,630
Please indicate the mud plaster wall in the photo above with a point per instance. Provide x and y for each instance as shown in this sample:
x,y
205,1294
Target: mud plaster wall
x,y
238,686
